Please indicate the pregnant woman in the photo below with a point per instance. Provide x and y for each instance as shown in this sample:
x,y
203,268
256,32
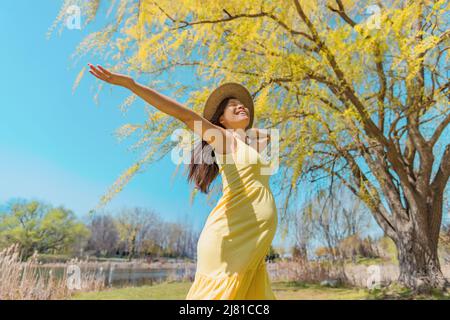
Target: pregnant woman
x,y
238,232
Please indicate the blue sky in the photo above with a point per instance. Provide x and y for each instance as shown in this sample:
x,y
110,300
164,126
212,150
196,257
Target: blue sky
x,y
60,147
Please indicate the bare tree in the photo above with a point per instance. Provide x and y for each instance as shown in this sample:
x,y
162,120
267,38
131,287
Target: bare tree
x,y
134,224
331,217
104,235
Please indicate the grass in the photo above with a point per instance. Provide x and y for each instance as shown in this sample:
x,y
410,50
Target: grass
x,y
160,291
284,290
305,291
178,291
397,292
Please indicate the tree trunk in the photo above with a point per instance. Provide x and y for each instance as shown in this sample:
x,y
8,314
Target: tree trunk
x,y
420,269
132,248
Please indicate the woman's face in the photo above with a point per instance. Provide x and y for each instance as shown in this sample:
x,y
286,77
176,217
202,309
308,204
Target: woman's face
x,y
235,115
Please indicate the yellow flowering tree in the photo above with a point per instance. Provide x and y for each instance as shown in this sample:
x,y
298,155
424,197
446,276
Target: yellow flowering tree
x,y
359,92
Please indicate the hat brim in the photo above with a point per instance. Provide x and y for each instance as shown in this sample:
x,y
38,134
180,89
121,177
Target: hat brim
x,y
230,89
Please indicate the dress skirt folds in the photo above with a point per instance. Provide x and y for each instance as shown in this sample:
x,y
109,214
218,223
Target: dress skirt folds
x,y
238,232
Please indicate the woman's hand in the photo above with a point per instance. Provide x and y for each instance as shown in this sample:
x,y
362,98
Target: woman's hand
x,y
110,77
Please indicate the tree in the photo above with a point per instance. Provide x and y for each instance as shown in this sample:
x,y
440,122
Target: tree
x,y
363,101
134,224
330,218
39,227
272,254
104,235
303,226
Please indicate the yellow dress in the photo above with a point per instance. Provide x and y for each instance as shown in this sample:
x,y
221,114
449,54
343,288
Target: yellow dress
x,y
238,232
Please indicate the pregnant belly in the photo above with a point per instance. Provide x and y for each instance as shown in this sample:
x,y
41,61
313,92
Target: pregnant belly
x,y
254,210
238,235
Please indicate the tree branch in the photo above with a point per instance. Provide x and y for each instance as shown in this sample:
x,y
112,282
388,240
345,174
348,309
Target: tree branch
x,y
342,13
442,175
440,128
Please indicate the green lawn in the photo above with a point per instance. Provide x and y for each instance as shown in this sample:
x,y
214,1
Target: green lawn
x,y
178,291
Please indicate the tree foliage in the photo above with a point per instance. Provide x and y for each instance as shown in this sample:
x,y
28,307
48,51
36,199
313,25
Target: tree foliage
x,y
39,227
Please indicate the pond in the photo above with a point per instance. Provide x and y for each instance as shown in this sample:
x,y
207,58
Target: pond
x,y
120,277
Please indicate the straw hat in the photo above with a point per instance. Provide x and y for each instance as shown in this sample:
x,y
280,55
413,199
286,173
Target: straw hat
x,y
229,89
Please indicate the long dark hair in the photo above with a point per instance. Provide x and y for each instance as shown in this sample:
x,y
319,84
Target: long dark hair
x,y
203,172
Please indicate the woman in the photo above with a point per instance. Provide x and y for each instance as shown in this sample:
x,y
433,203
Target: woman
x,y
239,230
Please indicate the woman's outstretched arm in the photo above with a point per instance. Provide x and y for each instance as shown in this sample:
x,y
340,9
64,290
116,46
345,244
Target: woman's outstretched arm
x,y
204,128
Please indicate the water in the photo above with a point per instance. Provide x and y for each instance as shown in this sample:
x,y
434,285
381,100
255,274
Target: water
x,y
138,277
121,277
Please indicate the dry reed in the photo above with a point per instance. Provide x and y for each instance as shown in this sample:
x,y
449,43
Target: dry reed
x,y
28,280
